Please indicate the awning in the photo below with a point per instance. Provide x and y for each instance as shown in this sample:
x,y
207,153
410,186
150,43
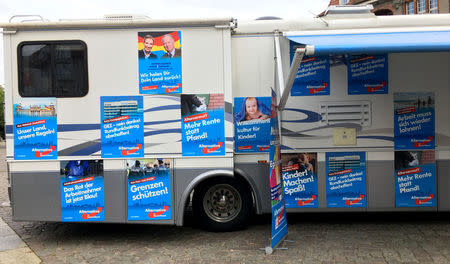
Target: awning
x,y
373,43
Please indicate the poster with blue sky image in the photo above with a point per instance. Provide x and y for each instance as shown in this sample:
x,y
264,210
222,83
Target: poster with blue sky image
x,y
313,75
415,178
346,179
148,189
122,126
251,124
414,124
35,129
159,56
202,125
300,182
82,191
367,74
279,220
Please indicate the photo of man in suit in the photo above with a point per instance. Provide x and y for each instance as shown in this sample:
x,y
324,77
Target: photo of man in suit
x,y
146,52
169,46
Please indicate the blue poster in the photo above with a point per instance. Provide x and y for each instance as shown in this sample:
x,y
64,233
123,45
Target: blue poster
x,y
313,75
203,126
82,191
367,74
414,121
159,55
415,178
122,126
149,193
251,124
346,179
300,180
279,221
35,129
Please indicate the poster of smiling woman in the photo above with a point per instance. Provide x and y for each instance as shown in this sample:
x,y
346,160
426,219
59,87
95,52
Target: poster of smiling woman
x,y
159,56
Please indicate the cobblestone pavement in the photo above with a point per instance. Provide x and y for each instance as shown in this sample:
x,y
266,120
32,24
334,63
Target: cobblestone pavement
x,y
317,238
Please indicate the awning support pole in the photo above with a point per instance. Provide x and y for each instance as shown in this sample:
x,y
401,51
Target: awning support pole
x,y
285,87
279,68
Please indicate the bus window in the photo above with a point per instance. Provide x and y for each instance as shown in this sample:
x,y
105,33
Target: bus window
x,y
53,69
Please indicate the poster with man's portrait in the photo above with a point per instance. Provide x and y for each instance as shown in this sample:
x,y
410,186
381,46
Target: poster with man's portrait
x,y
159,58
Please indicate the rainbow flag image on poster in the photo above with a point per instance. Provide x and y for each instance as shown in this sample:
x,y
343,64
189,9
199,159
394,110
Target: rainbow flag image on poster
x,y
415,178
148,189
367,74
346,179
313,75
159,58
82,191
251,124
300,180
414,121
202,126
279,221
35,129
122,126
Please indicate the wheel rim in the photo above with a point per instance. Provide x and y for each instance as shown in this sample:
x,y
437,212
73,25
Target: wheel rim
x,y
222,203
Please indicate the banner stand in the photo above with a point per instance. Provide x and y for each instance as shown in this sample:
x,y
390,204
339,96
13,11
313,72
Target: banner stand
x,y
269,250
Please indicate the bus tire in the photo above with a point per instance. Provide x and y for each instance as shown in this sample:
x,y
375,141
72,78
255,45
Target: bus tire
x,y
222,204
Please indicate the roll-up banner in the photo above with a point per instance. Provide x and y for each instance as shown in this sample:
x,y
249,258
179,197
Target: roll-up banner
x,y
279,222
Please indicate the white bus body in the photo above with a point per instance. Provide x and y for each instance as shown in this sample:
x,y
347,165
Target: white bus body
x,y
221,56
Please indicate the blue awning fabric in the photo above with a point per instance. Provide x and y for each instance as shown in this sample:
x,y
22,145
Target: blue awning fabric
x,y
373,43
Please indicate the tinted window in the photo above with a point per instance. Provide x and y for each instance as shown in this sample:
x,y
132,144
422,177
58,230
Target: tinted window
x,y
53,69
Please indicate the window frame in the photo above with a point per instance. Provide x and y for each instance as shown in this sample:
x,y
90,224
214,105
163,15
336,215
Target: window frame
x,y
408,9
419,11
435,9
84,70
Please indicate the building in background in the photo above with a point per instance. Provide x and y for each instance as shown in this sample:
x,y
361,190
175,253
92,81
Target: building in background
x,y
401,7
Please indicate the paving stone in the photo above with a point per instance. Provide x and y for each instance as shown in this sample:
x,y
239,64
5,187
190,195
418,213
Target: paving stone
x,y
20,255
9,242
5,230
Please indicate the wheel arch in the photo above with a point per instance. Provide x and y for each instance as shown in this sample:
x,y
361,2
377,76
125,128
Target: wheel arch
x,y
203,177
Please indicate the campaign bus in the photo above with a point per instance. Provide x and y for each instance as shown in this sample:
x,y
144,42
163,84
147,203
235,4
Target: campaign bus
x,y
128,119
